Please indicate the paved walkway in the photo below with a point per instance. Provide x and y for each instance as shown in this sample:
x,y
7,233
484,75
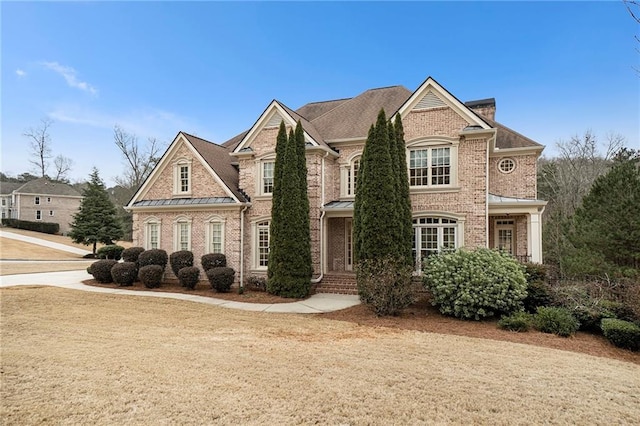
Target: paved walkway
x,y
41,242
316,304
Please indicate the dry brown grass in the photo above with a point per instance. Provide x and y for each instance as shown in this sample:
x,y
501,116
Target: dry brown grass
x,y
83,358
60,239
15,249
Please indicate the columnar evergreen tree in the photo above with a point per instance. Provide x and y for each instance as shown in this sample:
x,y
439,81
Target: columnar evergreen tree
x,y
96,220
290,252
276,203
404,202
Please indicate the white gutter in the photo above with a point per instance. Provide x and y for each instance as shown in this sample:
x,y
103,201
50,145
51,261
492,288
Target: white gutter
x,y
317,280
242,246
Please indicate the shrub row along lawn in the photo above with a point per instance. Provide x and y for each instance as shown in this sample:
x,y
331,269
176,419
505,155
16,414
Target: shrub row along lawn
x,y
75,357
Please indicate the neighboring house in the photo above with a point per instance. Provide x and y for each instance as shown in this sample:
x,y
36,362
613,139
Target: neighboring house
x,y
6,198
41,200
472,180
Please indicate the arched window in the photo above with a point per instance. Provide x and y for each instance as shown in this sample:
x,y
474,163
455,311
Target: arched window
x,y
182,177
182,233
352,176
214,235
432,235
152,233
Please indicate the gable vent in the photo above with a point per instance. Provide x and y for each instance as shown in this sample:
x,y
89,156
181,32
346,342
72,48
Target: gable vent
x,y
430,100
274,121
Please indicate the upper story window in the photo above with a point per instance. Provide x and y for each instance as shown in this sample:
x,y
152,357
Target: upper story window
x,y
48,199
267,177
4,202
352,177
430,167
182,177
36,201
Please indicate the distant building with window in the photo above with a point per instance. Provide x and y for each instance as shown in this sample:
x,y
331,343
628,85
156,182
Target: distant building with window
x,y
40,200
472,183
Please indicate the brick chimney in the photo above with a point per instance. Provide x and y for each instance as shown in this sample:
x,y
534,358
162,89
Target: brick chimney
x,y
484,107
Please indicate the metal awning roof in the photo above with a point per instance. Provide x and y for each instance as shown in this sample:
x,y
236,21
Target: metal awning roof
x,y
339,205
498,200
183,201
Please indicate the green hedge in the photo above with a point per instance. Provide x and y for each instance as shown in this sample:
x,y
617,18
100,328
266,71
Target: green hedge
x,y
44,227
623,334
555,320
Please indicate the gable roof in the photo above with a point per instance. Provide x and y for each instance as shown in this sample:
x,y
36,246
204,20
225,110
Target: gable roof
x,y
48,187
218,158
6,188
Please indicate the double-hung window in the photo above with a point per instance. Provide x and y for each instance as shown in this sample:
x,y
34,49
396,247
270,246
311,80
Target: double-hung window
x,y
268,168
38,215
36,201
262,244
182,234
352,177
152,228
214,235
182,177
430,166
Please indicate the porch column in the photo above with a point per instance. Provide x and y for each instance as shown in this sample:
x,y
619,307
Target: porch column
x,y
534,240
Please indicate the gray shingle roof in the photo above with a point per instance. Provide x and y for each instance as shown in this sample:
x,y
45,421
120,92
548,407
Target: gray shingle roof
x,y
6,188
48,187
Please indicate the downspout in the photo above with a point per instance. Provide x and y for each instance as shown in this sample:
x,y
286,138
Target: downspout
x,y
317,280
242,246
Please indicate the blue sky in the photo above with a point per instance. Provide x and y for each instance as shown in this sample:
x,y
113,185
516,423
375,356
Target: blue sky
x,y
556,69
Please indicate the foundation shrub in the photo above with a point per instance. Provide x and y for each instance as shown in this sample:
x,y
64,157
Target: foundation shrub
x,y
131,254
221,278
151,275
124,273
112,251
180,259
101,270
189,276
554,320
623,334
153,257
213,260
518,321
538,291
385,286
475,284
255,283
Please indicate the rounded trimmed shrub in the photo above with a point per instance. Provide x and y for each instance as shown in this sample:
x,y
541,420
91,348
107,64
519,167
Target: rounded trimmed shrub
x,y
151,275
124,273
385,286
518,321
189,276
623,334
554,320
180,259
101,270
131,254
475,284
153,257
111,251
213,260
221,278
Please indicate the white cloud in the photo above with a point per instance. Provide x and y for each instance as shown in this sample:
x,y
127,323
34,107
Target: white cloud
x,y
70,75
20,73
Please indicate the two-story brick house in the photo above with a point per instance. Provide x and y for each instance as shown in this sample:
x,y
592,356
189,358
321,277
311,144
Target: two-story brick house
x,y
472,182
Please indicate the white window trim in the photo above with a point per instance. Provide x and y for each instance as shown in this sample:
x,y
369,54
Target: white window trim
x,y
346,170
348,238
502,161
48,200
176,232
38,214
510,225
147,234
459,225
209,235
51,213
36,200
430,144
177,182
255,255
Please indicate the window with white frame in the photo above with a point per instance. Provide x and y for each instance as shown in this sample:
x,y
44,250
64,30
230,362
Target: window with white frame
x,y
214,235
432,235
352,177
506,165
152,229
267,174
36,201
430,166
182,177
262,244
505,235
38,215
182,234
50,212
48,199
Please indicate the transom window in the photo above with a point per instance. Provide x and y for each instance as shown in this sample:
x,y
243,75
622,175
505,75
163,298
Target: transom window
x,y
432,235
267,177
430,167
506,165
263,244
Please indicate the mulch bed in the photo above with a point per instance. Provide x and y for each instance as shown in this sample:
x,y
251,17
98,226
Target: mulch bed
x,y
419,317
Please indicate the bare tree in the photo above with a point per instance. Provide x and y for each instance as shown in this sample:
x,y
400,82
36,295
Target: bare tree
x,y
40,144
139,160
63,166
633,6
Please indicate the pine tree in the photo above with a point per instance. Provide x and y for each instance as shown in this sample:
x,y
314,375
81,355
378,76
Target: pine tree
x,y
96,220
290,253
